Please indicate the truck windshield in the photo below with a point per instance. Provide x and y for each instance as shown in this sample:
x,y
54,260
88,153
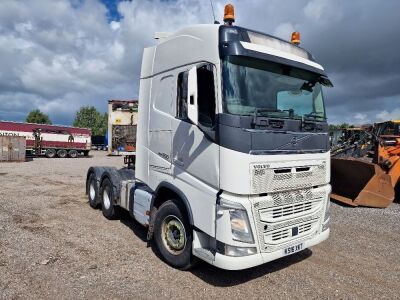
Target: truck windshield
x,y
252,86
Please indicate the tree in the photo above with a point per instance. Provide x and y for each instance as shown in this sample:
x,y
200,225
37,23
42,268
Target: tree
x,y
36,116
90,117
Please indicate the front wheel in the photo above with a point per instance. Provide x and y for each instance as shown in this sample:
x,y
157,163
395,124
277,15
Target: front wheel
x,y
173,235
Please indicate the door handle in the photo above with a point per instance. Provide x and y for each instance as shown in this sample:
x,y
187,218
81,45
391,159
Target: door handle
x,y
178,162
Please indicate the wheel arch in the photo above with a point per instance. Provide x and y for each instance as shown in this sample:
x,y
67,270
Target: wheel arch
x,y
166,191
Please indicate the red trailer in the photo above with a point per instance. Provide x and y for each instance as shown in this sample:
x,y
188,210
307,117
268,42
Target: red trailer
x,y
50,140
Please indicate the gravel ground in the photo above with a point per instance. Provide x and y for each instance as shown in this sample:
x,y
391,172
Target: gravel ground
x,y
53,245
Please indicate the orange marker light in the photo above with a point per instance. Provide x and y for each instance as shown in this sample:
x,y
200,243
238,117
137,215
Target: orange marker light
x,y
229,14
296,38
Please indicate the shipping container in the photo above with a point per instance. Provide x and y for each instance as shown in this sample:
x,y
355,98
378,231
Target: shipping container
x,y
12,148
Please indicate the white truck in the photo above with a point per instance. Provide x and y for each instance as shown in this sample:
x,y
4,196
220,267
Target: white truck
x,y
232,153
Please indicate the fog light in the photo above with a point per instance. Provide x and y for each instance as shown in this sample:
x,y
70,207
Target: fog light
x,y
229,250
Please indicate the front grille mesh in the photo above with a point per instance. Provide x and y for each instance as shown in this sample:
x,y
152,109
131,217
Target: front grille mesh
x,y
291,209
276,214
267,178
286,233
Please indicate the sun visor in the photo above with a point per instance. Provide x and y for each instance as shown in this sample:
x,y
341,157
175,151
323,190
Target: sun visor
x,y
325,81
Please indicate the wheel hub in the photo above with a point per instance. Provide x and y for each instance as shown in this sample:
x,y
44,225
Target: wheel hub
x,y
174,235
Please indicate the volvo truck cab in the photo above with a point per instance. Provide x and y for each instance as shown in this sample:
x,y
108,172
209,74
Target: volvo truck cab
x,y
232,154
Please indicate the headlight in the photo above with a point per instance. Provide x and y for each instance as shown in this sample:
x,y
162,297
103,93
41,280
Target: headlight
x,y
240,225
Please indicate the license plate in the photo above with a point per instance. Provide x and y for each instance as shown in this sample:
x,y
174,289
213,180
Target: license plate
x,y
293,249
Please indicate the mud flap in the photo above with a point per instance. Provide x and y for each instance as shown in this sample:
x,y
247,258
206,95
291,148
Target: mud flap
x,y
356,182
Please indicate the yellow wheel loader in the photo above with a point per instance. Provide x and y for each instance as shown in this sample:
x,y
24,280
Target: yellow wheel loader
x,y
365,169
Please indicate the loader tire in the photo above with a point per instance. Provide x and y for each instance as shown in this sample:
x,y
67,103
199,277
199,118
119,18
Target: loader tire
x,y
173,235
110,210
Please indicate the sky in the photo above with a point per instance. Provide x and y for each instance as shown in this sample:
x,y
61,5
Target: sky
x,y
59,55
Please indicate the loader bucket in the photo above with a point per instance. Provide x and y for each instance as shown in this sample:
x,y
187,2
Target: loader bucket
x,y
356,182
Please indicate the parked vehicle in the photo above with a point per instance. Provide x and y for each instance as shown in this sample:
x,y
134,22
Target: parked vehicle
x,y
366,165
232,160
122,122
50,140
99,142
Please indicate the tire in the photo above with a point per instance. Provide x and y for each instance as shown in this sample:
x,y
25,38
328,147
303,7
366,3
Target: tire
x,y
73,153
173,236
62,153
50,153
93,191
110,211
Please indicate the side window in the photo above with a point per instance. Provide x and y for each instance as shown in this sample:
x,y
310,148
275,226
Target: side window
x,y
206,95
163,96
181,96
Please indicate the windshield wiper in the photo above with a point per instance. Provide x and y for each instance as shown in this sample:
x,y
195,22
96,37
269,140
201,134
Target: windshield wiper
x,y
257,111
313,116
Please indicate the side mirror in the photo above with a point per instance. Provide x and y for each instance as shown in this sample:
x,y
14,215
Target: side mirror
x,y
192,96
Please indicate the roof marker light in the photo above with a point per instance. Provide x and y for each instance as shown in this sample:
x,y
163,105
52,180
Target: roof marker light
x,y
229,14
296,38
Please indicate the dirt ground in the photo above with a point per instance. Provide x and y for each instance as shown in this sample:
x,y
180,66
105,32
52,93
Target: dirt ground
x,y
54,246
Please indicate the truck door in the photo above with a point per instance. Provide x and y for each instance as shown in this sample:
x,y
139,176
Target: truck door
x,y
160,126
194,149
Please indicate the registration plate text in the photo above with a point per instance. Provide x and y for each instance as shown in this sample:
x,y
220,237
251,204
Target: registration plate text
x,y
293,249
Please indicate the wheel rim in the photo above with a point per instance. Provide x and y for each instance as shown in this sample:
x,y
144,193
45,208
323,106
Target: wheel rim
x,y
92,191
106,200
173,235
62,154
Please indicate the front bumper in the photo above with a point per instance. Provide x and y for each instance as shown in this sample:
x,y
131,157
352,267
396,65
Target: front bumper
x,y
245,262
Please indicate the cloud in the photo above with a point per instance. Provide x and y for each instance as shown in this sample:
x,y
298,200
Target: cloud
x,y
284,30
386,115
58,55
315,9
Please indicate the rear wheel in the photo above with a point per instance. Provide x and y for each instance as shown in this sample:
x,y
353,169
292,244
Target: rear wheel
x,y
50,153
62,153
173,235
110,211
92,191
73,153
